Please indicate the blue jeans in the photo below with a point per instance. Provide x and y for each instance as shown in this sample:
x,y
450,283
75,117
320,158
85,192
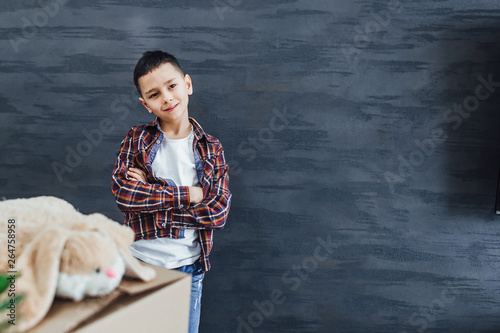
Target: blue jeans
x,y
196,287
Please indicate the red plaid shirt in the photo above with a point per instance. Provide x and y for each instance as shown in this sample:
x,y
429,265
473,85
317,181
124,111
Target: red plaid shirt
x,y
157,209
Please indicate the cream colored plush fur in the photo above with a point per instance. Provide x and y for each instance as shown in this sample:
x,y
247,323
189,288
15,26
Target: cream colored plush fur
x,y
56,242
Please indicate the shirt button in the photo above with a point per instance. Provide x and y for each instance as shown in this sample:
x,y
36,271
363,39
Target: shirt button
x,y
163,225
181,206
158,141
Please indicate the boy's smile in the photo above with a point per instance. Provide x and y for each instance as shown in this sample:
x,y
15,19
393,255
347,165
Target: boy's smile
x,y
165,93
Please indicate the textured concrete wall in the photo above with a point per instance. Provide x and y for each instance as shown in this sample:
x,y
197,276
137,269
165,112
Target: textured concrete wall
x,y
362,138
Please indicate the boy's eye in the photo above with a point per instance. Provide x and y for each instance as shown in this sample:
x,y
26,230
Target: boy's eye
x,y
153,95
172,86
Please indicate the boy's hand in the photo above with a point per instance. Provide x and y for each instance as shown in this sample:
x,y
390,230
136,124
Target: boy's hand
x,y
137,174
195,194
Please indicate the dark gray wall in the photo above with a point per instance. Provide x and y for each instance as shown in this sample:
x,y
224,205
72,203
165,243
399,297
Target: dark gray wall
x,y
368,208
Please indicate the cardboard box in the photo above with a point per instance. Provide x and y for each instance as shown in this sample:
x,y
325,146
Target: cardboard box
x,y
161,305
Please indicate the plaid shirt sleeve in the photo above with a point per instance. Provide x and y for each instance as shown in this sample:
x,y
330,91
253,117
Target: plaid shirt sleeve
x,y
138,197
212,212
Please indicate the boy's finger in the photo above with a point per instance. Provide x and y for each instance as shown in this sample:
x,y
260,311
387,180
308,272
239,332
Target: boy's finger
x,y
137,175
139,171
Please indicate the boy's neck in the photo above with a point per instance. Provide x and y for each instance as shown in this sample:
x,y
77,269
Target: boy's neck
x,y
176,129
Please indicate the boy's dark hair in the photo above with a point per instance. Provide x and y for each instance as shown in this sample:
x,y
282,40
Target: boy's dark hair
x,y
150,61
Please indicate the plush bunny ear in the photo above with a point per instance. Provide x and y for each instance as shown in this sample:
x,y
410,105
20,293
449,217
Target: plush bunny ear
x,y
123,237
39,268
26,206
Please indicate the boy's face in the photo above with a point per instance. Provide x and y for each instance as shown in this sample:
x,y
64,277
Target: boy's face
x,y
165,92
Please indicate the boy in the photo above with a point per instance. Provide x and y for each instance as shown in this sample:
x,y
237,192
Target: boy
x,y
171,178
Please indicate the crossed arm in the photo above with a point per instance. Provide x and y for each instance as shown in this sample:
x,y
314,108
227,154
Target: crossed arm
x,y
195,192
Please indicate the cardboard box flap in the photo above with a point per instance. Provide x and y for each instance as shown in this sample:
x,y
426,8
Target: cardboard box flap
x,y
163,278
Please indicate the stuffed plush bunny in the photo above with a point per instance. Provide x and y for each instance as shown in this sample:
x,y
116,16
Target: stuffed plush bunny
x,y
61,252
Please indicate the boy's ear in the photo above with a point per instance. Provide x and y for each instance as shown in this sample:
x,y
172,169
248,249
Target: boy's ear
x,y
143,102
189,84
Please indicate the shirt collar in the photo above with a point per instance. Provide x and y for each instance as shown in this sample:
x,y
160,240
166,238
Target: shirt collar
x,y
197,129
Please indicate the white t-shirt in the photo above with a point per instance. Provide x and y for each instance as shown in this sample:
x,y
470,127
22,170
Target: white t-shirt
x,y
174,160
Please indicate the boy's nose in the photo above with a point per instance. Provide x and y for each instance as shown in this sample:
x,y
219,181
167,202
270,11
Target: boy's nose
x,y
167,96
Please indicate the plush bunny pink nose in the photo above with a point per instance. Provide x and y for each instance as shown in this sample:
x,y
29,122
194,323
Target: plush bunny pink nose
x,y
111,273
